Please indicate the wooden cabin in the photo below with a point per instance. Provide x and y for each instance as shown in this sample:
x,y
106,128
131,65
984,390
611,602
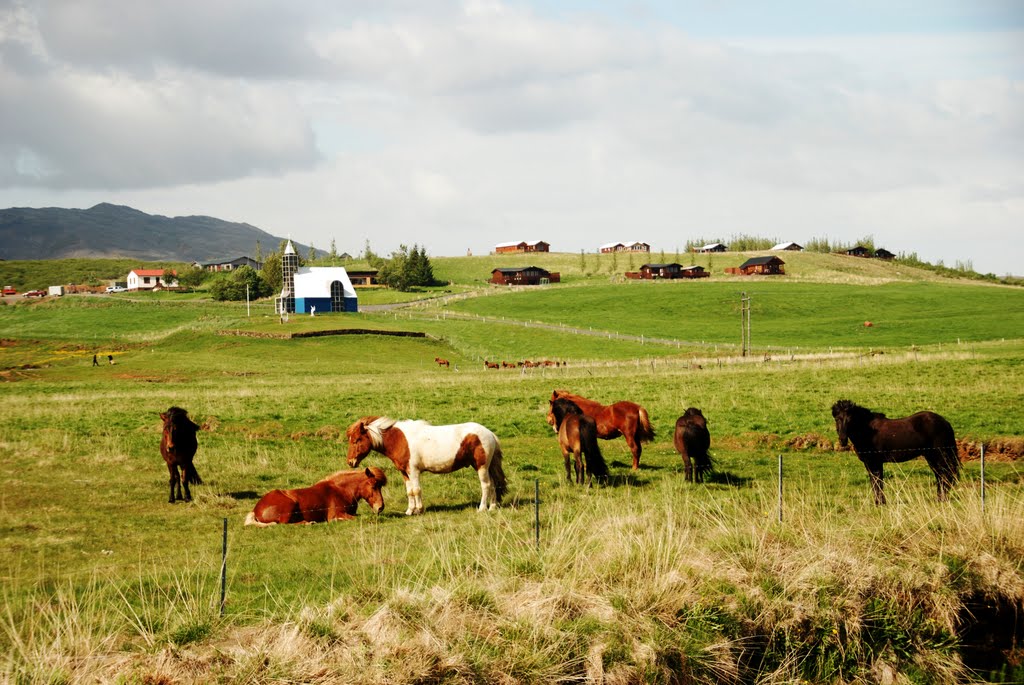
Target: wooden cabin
x,y
522,246
882,253
667,271
524,275
791,247
760,266
711,247
859,251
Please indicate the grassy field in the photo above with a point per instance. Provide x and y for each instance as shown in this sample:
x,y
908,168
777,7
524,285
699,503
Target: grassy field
x,y
647,579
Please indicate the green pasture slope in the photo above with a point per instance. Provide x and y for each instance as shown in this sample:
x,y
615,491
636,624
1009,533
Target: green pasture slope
x,y
647,579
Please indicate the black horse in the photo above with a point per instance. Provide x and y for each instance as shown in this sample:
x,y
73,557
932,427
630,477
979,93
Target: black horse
x,y
877,439
692,441
577,434
178,446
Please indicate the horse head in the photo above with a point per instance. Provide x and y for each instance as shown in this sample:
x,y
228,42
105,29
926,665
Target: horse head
x,y
177,426
843,412
694,415
559,408
365,435
371,488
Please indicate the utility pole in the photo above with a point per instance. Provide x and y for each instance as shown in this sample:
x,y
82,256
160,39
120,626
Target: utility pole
x,y
744,324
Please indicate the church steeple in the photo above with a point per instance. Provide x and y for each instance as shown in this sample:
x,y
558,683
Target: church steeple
x,y
289,265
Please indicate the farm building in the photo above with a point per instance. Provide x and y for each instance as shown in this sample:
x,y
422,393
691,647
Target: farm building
x,y
523,246
312,289
764,266
711,247
150,279
667,271
859,251
230,265
362,278
625,247
524,275
882,253
792,247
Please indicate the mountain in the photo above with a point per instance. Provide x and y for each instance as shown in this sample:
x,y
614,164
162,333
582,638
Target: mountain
x,y
108,230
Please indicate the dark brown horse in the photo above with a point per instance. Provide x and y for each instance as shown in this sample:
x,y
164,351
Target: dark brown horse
x,y
178,446
877,439
627,419
692,441
577,436
334,498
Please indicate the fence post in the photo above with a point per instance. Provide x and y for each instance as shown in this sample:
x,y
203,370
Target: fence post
x,y
224,567
780,488
536,512
983,479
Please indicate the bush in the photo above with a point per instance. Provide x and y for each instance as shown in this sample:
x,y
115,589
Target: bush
x,y
232,286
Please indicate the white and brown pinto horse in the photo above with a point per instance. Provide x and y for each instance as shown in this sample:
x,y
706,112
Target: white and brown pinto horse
x,y
416,447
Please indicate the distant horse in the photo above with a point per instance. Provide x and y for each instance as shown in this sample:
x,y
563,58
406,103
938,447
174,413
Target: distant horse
x,y
334,498
877,439
178,446
442,362
491,365
692,441
577,435
417,446
627,419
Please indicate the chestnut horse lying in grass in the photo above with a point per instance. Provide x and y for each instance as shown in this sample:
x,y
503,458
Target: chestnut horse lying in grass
x,y
178,446
627,419
877,439
332,499
417,446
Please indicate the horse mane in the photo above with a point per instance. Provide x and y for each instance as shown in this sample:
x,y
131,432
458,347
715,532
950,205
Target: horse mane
x,y
352,474
562,407
855,411
376,429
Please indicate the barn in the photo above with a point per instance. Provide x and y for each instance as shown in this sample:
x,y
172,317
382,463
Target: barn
x,y
763,266
524,275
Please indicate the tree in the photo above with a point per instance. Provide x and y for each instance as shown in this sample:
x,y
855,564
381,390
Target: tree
x,y
232,286
312,253
168,276
375,261
192,277
406,269
258,255
271,272
333,254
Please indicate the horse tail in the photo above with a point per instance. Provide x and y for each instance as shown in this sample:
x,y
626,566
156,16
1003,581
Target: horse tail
x,y
703,463
497,474
596,465
191,475
645,431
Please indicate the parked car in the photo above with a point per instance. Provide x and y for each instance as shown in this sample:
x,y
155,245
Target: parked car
x,y
36,293
115,289
9,290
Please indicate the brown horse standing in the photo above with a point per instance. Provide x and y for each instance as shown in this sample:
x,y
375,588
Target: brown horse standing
x,y
692,441
877,439
577,435
627,419
332,499
178,446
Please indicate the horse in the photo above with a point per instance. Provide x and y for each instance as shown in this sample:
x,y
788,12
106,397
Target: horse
x,y
178,446
877,439
417,446
627,419
692,441
442,362
577,435
332,499
491,365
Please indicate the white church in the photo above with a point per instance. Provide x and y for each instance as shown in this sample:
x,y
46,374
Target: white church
x,y
310,289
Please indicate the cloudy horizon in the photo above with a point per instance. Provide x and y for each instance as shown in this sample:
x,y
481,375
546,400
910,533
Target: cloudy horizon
x,y
459,125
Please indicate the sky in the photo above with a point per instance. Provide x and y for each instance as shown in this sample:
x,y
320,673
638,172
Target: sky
x,y
457,125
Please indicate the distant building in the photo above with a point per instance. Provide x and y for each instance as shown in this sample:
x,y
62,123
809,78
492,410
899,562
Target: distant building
x,y
859,251
634,246
523,246
792,247
231,265
362,278
524,275
763,266
712,247
320,288
882,253
150,279
667,271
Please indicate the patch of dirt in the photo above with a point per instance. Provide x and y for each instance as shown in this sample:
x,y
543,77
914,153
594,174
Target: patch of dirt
x,y
810,441
332,433
1003,448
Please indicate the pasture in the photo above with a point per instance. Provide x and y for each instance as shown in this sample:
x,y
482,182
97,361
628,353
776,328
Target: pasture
x,y
648,579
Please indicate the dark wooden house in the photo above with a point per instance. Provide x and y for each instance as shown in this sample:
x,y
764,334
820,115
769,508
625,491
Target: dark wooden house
x,y
524,275
667,271
859,251
522,246
362,278
764,266
882,253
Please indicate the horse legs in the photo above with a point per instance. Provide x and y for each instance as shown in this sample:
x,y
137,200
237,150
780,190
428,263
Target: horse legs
x,y
577,464
413,492
174,479
565,456
945,476
183,479
687,467
488,496
635,447
875,473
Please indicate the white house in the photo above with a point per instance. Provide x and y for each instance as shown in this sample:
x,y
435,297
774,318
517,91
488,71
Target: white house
x,y
327,288
792,247
148,279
